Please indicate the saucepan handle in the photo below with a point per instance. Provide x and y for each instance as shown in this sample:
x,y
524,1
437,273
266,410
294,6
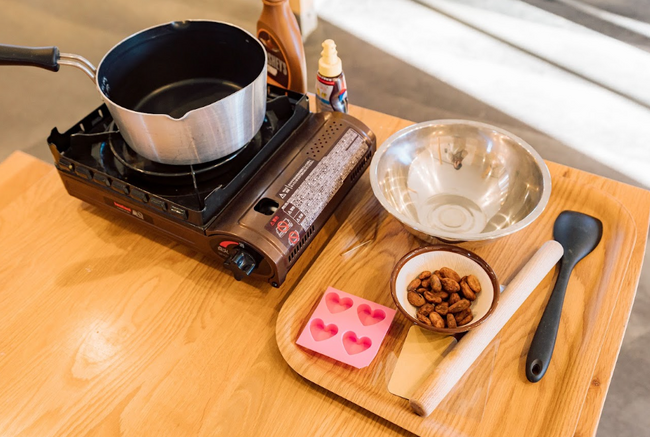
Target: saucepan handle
x,y
44,57
48,58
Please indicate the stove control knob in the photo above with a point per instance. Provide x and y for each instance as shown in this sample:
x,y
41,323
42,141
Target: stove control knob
x,y
240,262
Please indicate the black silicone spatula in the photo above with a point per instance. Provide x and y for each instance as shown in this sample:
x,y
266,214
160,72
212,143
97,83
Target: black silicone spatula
x,y
579,234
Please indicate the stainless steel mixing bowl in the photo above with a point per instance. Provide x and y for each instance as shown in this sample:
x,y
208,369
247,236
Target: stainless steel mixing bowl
x,y
458,180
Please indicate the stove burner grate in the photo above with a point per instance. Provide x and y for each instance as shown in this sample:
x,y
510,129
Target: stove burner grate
x,y
137,163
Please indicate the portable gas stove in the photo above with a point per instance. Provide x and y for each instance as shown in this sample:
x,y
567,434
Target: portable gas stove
x,y
256,209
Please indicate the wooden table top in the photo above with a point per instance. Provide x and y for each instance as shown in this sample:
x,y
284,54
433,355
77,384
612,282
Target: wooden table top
x,y
109,329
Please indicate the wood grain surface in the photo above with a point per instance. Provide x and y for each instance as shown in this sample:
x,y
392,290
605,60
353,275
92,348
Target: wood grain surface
x,y
549,408
19,172
109,329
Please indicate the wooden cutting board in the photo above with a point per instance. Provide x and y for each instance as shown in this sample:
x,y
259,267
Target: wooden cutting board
x,y
494,397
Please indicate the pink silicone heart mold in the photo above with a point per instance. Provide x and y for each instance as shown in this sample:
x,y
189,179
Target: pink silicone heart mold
x,y
354,345
337,304
355,332
369,317
320,331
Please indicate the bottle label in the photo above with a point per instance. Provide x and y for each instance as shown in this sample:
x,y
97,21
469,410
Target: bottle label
x,y
332,94
276,68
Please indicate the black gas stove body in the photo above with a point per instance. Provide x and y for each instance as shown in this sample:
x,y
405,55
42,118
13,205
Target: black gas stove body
x,y
256,209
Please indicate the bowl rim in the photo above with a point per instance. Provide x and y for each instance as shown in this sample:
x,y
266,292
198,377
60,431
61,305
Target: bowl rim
x,y
534,214
457,250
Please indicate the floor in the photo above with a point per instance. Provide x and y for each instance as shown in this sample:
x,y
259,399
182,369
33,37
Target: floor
x,y
569,76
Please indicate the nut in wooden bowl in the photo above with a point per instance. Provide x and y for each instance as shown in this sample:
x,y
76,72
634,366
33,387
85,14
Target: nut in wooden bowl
x,y
444,280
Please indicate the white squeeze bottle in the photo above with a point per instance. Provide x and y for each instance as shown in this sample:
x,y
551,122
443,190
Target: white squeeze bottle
x,y
331,91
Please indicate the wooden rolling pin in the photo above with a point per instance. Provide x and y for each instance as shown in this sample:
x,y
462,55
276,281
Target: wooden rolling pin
x,y
445,376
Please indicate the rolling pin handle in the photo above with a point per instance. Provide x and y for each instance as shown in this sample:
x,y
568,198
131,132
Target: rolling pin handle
x,y
452,368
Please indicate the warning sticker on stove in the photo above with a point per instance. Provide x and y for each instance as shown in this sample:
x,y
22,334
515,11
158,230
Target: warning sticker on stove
x,y
285,228
297,179
313,186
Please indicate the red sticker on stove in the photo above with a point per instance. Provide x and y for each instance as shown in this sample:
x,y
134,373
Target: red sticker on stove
x,y
294,237
122,207
285,228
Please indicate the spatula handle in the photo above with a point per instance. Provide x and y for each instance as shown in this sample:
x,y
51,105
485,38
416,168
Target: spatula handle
x,y
543,344
469,348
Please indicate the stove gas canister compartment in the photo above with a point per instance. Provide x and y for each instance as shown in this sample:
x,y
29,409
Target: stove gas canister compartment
x,y
306,186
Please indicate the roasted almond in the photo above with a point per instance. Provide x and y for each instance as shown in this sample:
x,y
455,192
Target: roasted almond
x,y
424,319
467,291
436,320
415,298
459,306
432,297
450,273
426,308
414,284
467,320
450,285
473,283
461,315
442,308
436,286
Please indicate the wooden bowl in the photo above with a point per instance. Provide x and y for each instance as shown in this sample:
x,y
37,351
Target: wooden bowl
x,y
464,262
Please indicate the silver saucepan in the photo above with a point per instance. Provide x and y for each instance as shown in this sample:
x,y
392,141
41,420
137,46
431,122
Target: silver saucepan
x,y
181,93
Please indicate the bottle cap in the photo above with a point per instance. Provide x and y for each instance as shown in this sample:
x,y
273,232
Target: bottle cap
x,y
329,65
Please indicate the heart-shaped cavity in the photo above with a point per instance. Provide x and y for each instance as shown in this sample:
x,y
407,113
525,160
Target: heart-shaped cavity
x,y
337,304
367,316
354,345
320,331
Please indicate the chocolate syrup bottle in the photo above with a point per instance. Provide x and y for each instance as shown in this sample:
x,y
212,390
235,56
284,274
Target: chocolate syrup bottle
x,y
278,31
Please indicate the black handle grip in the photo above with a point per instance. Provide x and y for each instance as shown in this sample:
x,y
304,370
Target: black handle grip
x,y
541,349
44,57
